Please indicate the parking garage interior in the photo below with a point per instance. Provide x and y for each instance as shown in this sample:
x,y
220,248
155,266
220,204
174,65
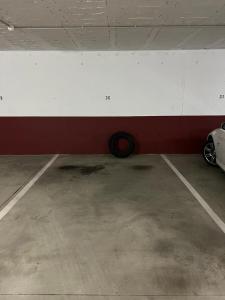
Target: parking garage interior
x,y
84,216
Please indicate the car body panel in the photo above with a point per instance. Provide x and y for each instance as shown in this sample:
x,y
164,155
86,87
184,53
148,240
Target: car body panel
x,y
218,137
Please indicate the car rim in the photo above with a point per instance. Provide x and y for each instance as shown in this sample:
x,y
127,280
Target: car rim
x,y
210,153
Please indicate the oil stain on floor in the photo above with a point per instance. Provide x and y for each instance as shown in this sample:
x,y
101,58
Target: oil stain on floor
x,y
82,169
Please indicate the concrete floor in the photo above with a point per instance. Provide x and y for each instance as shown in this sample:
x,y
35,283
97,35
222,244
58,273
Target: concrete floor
x,y
95,227
15,171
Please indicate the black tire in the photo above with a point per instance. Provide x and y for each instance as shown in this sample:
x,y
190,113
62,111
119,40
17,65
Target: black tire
x,y
209,153
113,144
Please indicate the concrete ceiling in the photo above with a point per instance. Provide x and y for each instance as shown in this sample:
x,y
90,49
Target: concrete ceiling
x,y
112,24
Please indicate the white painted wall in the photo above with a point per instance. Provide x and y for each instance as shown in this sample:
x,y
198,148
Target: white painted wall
x,y
139,83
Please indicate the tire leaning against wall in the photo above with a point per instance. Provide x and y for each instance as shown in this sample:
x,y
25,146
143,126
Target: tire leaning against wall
x,y
113,144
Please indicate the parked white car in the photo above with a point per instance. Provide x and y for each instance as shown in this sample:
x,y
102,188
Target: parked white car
x,y
214,149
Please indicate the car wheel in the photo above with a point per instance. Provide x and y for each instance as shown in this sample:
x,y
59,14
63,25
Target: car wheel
x,y
209,153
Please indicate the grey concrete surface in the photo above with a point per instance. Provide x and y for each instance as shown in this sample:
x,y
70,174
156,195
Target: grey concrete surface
x,y
15,171
208,181
91,297
94,227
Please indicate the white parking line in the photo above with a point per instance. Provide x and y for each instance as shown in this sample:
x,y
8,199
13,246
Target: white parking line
x,y
197,196
16,197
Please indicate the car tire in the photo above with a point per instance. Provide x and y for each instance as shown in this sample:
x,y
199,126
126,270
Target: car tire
x,y
114,141
209,153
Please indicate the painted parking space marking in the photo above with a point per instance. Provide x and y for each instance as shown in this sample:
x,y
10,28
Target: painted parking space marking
x,y
21,192
194,192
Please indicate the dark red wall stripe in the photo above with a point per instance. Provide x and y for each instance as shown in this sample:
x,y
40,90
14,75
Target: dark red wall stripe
x,y
87,135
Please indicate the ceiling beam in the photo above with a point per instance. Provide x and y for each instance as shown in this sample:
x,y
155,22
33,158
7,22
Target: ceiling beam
x,y
113,26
